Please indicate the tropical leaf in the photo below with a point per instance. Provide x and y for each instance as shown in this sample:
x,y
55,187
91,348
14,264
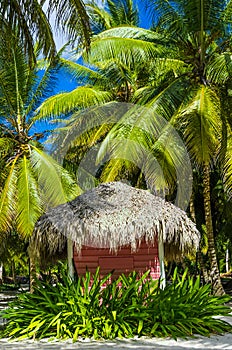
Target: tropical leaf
x,y
131,32
55,184
227,171
8,196
165,102
147,141
72,19
63,103
114,13
29,204
126,50
32,24
219,68
201,123
80,72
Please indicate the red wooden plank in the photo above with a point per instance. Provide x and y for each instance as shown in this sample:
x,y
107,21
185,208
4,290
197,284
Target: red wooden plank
x,y
86,258
89,265
116,262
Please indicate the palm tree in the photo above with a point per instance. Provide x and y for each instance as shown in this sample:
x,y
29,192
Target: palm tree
x,y
195,99
193,89
32,24
30,180
111,84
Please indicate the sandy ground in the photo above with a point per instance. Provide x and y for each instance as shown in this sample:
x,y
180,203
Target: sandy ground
x,y
215,342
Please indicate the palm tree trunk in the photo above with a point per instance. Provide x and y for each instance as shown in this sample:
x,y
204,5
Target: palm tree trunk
x,y
214,270
199,257
13,271
1,273
227,260
32,273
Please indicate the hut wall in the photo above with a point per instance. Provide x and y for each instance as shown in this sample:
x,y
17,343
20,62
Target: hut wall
x,y
124,261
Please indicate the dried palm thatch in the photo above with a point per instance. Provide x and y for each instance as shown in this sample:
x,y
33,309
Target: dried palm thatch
x,y
113,215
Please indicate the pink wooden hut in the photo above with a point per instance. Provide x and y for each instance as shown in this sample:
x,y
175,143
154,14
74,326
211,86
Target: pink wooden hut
x,y
116,227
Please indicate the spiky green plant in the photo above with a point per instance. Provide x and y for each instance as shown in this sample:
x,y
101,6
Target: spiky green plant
x,y
128,306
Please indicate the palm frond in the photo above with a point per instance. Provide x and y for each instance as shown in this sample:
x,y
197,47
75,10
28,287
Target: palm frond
x,y
123,12
167,14
181,16
32,24
100,18
86,127
166,101
13,77
201,123
126,50
55,184
42,86
227,11
64,103
112,14
227,171
132,32
29,205
80,72
7,197
72,18
219,68
114,169
146,140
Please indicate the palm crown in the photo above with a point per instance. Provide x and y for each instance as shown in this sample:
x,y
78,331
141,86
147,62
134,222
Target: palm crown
x,y
30,179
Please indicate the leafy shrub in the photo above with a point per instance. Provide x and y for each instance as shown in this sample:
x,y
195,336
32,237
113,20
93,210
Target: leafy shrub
x,y
131,305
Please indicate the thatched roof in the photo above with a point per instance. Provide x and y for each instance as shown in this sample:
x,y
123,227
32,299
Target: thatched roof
x,y
113,215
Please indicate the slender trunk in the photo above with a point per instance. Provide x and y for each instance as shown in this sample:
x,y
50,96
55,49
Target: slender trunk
x,y
1,273
32,273
214,269
227,260
192,209
199,257
13,271
70,258
205,274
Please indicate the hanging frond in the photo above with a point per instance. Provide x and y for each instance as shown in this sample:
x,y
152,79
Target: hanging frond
x,y
64,103
80,72
87,125
219,69
227,171
126,50
131,32
180,17
112,14
72,19
29,204
31,24
7,197
201,123
150,143
166,101
55,184
14,72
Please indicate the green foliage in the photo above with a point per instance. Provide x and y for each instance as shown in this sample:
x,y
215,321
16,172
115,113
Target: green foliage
x,y
125,307
30,180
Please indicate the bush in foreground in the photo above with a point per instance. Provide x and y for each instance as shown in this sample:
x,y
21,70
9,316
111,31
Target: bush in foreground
x,y
126,307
